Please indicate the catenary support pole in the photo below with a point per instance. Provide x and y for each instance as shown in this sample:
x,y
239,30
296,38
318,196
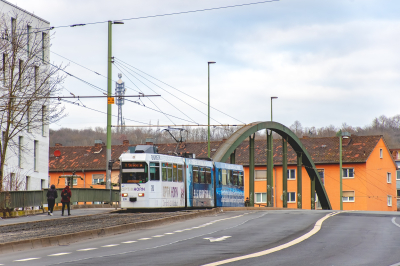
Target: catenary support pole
x,y
251,170
270,168
299,179
284,172
109,78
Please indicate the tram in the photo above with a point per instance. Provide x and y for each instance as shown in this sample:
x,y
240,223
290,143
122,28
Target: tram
x,y
152,181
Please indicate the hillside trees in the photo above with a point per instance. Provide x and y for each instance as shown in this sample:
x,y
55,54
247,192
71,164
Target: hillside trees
x,y
27,80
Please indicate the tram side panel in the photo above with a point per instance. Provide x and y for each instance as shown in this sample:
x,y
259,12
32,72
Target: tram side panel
x,y
229,185
199,183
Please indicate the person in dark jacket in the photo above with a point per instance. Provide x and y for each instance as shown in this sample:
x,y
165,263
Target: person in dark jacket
x,y
65,200
51,199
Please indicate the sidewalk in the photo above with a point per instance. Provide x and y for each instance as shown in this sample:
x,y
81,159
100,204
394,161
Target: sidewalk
x,y
56,215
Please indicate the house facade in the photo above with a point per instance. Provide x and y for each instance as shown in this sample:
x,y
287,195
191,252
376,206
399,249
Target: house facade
x,y
368,169
27,153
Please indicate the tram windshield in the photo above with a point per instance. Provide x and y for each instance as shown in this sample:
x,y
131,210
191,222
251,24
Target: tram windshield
x,y
135,172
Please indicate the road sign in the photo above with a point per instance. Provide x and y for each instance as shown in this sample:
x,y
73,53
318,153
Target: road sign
x,y
110,100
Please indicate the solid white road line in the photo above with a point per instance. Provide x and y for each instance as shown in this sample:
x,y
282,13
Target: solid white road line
x,y
394,222
109,246
28,259
128,242
59,254
313,231
86,249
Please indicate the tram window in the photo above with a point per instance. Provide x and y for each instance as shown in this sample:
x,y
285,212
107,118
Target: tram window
x,y
220,176
228,177
235,178
224,177
169,172
180,173
175,172
195,174
201,175
164,172
135,173
240,178
155,171
208,176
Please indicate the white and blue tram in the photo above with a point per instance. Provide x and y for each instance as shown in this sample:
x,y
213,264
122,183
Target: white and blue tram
x,y
153,181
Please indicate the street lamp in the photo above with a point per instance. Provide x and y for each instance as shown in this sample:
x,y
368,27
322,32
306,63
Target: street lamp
x,y
273,97
109,78
208,145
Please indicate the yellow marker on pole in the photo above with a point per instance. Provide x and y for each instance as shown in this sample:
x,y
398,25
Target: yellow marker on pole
x,y
110,100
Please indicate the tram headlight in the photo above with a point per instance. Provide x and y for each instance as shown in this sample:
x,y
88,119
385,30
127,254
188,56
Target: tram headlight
x,y
124,194
141,194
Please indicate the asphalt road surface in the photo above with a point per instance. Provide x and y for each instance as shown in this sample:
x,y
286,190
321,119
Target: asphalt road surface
x,y
289,237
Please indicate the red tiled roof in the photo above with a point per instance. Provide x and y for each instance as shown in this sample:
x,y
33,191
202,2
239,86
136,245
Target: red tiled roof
x,y
322,150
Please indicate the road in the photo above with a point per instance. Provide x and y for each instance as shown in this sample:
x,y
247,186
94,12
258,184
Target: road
x,y
289,237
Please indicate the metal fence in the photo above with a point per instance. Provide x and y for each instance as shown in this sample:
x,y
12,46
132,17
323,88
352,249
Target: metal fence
x,y
23,199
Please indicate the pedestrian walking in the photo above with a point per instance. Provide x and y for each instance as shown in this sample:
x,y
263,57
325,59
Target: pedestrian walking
x,y
51,199
65,200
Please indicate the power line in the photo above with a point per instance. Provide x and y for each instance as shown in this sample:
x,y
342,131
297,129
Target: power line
x,y
155,92
180,91
161,15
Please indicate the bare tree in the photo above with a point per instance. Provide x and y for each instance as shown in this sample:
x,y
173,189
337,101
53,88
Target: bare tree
x,y
27,80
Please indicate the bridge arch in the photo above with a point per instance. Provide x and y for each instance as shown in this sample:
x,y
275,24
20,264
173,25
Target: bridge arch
x,y
229,146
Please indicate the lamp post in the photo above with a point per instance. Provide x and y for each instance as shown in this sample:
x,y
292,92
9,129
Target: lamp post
x,y
109,78
208,138
273,97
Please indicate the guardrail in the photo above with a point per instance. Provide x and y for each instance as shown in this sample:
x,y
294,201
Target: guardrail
x,y
24,199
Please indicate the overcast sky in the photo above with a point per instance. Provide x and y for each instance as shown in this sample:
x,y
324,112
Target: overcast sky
x,y
329,62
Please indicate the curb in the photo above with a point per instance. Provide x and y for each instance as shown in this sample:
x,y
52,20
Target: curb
x,y
96,233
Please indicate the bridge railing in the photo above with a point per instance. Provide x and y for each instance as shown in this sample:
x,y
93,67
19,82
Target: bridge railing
x,y
37,198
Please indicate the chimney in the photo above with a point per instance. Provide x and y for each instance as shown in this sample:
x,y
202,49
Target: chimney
x,y
58,145
149,141
98,145
306,137
346,141
223,140
125,142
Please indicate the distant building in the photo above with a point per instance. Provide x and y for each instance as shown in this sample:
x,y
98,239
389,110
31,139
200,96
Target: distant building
x,y
368,169
26,163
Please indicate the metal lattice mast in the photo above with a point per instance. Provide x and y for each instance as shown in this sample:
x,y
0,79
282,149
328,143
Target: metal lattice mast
x,y
120,92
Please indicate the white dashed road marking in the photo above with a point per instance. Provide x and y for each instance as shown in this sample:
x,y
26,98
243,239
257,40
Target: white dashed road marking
x,y
28,259
144,238
59,254
128,242
222,238
169,233
86,249
158,236
111,245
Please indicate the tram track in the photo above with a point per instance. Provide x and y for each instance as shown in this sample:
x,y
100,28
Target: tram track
x,y
29,235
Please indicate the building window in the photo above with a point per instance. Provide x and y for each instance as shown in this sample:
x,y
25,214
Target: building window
x,y
260,175
389,200
398,175
389,177
35,155
44,120
42,184
348,196
348,172
5,61
291,174
398,193
44,47
381,153
28,118
261,197
12,181
28,38
321,175
97,178
20,143
291,197
27,183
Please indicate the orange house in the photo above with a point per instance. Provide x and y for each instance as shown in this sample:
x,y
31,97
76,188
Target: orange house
x,y
369,173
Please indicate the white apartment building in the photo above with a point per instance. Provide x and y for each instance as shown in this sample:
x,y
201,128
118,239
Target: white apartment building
x,y
27,155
